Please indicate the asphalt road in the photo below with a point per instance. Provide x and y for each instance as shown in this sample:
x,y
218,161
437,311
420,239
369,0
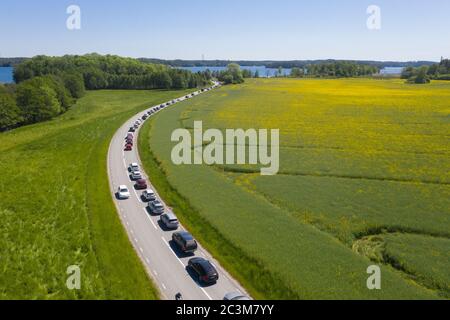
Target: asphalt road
x,y
153,245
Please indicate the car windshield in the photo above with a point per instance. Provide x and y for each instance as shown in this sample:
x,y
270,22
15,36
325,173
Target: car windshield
x,y
123,190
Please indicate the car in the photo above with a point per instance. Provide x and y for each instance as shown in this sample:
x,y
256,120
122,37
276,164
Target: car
x,y
132,129
144,117
173,101
148,195
130,135
149,112
162,106
187,97
136,175
133,167
231,296
204,270
136,126
128,147
141,184
155,207
185,241
123,192
130,141
169,220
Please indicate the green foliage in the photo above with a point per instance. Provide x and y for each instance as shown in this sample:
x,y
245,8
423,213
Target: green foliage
x,y
233,74
424,74
74,82
110,72
37,100
10,115
340,69
297,72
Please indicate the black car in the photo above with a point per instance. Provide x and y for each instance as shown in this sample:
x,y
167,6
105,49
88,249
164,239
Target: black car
x,y
205,271
132,129
185,241
144,117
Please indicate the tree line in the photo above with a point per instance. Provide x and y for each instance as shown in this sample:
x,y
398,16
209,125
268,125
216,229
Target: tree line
x,y
424,74
302,64
48,86
338,69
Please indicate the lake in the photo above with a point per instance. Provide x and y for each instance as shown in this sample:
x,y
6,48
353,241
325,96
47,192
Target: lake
x,y
6,75
391,70
262,70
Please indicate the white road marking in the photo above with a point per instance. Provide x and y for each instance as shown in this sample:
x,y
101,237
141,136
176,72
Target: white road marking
x,y
142,250
163,285
156,273
206,293
149,218
168,245
136,240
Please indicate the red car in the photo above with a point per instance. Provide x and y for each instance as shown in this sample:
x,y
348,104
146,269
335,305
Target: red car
x,y
128,147
141,184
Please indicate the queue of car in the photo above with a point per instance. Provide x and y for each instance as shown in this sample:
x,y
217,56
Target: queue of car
x,y
204,270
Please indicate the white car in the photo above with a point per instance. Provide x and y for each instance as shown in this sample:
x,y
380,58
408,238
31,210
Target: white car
x,y
133,167
149,195
136,175
123,192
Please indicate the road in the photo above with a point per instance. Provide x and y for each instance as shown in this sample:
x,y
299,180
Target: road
x,y
152,244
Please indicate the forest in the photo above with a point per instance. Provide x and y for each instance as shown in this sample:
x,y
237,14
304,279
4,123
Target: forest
x,y
48,86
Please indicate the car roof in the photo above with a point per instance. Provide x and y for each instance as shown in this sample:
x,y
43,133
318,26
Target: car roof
x,y
123,187
171,215
236,296
134,165
149,191
185,235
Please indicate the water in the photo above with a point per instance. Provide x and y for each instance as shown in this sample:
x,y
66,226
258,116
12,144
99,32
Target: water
x,y
391,70
6,75
262,70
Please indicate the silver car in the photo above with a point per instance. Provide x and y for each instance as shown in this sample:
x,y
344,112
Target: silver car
x,y
170,220
136,175
149,195
235,296
156,207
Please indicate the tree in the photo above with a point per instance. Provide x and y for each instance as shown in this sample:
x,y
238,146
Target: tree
x,y
74,82
10,115
37,100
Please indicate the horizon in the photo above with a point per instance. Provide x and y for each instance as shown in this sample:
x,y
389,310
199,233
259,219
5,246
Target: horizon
x,y
258,31
228,60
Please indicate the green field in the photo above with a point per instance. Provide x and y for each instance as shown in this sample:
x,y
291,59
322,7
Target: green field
x,y
364,179
56,208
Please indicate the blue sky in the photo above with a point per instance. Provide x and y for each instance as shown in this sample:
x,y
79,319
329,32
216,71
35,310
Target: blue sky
x,y
229,29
